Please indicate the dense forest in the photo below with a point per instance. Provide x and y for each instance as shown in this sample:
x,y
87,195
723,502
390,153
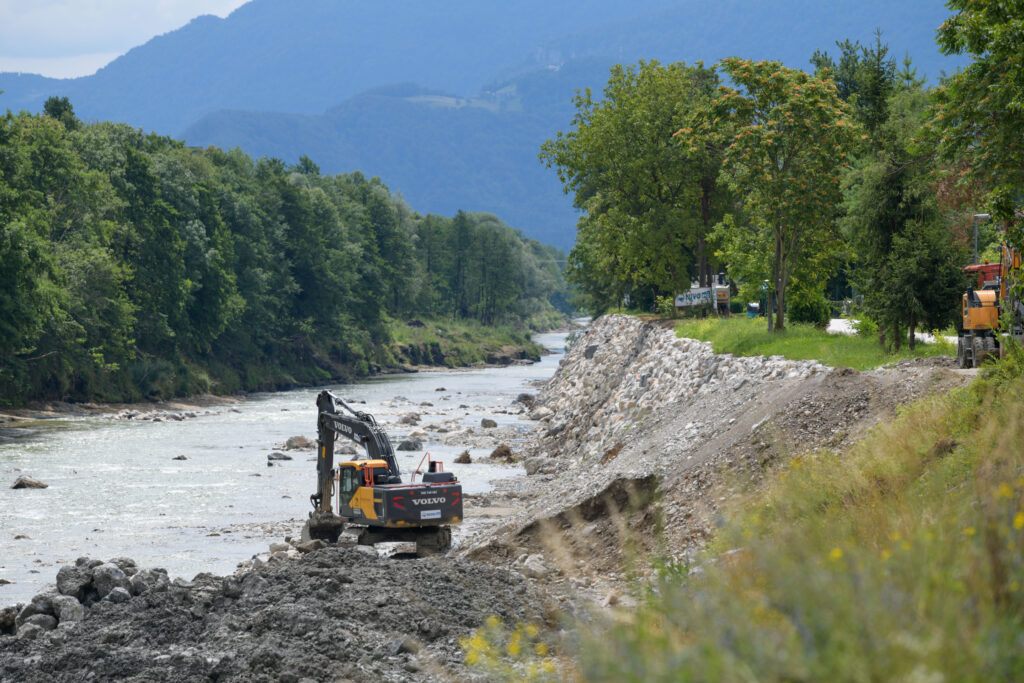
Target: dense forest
x,y
134,267
851,178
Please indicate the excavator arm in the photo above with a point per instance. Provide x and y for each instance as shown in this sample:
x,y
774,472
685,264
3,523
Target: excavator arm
x,y
362,429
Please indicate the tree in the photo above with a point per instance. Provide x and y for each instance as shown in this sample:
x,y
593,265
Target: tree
x,y
789,135
60,108
981,108
649,203
906,260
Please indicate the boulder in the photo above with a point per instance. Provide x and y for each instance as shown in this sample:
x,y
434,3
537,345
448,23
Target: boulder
x,y
41,604
67,609
30,632
147,580
537,465
298,442
463,458
410,445
46,622
277,455
589,352
310,546
74,580
7,619
525,399
410,419
534,567
107,577
118,595
126,564
345,449
488,423
27,482
502,452
180,457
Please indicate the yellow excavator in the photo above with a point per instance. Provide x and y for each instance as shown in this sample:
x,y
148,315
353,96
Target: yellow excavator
x,y
991,299
371,496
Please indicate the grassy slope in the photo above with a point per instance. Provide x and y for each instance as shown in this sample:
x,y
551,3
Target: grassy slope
x,y
902,559
458,343
747,337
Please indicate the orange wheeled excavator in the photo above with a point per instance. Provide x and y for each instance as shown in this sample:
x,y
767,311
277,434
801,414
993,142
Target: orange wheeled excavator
x,y
988,303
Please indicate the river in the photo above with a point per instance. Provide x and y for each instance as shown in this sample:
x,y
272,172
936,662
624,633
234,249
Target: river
x,y
115,488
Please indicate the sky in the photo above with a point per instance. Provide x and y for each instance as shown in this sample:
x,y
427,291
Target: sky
x,y
69,38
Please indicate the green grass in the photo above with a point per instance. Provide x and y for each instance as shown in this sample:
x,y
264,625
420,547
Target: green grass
x,y
457,343
750,337
902,559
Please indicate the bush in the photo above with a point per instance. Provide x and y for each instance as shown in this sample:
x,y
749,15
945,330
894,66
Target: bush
x,y
808,306
665,306
866,327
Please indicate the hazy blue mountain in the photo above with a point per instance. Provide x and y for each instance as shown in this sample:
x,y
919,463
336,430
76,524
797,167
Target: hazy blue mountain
x,y
292,77
307,55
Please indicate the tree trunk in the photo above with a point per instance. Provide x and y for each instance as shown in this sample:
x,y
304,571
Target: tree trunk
x,y
779,284
703,267
911,334
897,338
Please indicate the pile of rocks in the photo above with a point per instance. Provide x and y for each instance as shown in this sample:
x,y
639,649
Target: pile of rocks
x,y
78,587
622,369
335,612
154,415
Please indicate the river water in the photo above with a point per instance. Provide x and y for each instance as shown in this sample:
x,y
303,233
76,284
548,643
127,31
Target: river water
x,y
116,490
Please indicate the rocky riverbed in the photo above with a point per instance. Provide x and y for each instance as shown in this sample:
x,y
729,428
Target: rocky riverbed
x,y
631,448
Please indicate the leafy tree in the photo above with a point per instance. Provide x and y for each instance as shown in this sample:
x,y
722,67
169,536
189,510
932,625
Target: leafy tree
x,y
903,254
649,203
792,136
981,108
60,108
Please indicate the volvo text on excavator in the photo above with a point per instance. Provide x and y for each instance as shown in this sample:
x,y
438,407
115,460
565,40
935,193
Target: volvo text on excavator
x,y
371,496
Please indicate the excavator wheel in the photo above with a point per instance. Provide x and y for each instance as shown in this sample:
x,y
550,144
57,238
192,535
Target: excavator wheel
x,y
961,353
434,543
990,347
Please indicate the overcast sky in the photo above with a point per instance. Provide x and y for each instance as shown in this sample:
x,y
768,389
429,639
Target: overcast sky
x,y
67,38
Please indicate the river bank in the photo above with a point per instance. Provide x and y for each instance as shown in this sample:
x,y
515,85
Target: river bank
x,y
197,494
630,451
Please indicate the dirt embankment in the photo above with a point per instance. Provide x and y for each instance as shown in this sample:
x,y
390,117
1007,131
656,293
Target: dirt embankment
x,y
642,437
645,435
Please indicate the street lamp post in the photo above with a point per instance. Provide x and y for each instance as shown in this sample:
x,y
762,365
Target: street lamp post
x,y
978,217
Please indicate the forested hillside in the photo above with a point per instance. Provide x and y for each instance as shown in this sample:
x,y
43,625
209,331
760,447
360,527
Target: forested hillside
x,y
133,267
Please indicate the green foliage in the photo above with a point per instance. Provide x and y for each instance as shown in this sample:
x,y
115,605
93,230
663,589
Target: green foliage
x,y
788,136
981,108
808,304
748,337
649,203
904,257
135,268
